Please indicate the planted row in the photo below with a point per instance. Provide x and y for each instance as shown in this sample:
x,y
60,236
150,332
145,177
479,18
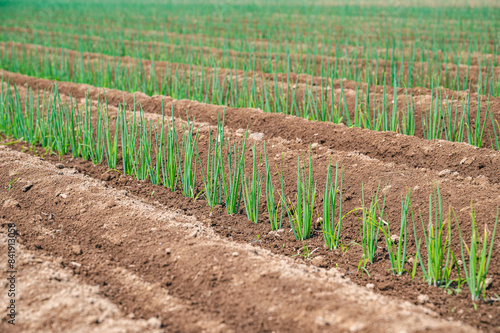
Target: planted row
x,y
154,150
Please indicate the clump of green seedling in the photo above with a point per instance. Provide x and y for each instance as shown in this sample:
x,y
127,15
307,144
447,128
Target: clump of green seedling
x,y
187,163
252,187
212,175
476,257
437,235
170,157
396,247
371,219
331,223
274,208
231,179
111,147
302,213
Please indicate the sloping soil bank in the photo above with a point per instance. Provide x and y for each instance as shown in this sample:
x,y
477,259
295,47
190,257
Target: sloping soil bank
x,y
150,262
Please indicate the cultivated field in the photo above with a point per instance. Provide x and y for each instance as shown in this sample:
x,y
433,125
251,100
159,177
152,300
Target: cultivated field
x,y
249,166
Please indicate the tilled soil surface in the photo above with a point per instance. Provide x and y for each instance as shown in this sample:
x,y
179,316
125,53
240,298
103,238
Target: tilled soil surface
x,y
134,236
105,262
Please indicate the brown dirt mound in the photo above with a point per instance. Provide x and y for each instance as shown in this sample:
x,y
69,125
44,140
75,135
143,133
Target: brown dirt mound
x,y
171,267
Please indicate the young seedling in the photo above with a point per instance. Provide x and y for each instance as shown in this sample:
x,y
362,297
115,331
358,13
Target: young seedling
x,y
306,253
301,214
476,257
437,243
274,209
188,166
252,188
371,221
231,180
212,176
9,187
170,158
397,247
332,202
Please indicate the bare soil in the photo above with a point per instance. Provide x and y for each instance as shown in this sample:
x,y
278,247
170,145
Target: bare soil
x,y
97,259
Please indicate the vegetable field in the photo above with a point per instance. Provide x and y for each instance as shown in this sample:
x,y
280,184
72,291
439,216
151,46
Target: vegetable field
x,y
248,166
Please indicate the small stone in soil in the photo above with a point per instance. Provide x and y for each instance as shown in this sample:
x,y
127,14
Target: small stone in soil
x,y
59,165
11,203
110,204
423,299
319,261
76,249
385,286
235,254
154,323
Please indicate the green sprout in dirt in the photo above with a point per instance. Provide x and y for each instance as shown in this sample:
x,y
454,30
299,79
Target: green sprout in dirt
x,y
232,179
187,162
371,219
301,214
332,202
437,235
212,174
9,187
476,257
274,209
169,157
396,246
307,253
252,188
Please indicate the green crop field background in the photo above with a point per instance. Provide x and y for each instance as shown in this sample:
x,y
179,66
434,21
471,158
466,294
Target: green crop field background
x,y
256,54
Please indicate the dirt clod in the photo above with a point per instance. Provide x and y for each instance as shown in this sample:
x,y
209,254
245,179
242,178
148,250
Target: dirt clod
x,y
385,286
423,299
154,323
11,203
76,250
319,261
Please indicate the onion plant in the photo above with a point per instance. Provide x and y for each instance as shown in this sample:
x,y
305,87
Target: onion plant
x,y
274,207
396,248
111,148
252,188
213,173
332,203
170,157
437,269
371,220
232,178
476,257
432,124
128,135
475,130
187,164
495,142
301,214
